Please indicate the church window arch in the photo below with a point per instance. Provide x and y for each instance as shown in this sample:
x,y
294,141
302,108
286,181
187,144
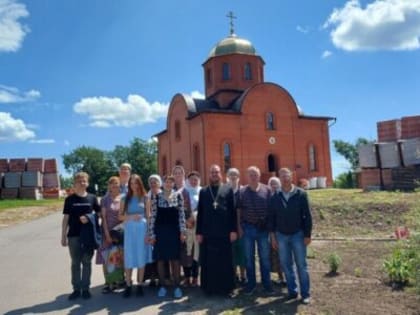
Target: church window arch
x,y
272,163
177,130
269,121
248,71
312,157
208,76
196,157
226,75
227,156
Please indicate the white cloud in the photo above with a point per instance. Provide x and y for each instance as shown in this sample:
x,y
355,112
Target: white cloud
x,y
10,94
326,54
42,141
12,129
197,94
66,143
302,29
12,32
381,25
105,112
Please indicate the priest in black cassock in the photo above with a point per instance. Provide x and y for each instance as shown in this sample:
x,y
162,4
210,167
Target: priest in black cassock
x,y
216,230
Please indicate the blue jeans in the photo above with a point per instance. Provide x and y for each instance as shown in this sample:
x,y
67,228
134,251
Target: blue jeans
x,y
252,235
81,264
293,250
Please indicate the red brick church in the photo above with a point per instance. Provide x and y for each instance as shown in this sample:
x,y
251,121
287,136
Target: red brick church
x,y
242,121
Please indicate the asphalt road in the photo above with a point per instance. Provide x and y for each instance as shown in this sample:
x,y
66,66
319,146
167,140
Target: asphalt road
x,y
35,278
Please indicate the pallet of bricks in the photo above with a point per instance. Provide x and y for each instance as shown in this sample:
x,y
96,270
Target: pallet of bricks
x,y
394,161
50,179
29,179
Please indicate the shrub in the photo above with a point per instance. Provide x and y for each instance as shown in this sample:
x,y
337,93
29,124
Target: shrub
x,y
334,261
402,266
397,267
357,272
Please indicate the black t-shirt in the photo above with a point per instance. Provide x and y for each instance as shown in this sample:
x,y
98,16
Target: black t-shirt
x,y
76,206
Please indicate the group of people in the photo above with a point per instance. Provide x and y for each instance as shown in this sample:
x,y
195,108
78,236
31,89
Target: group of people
x,y
208,231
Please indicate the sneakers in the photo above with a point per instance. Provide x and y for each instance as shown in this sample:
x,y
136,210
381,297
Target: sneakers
x,y
127,292
249,290
306,300
162,292
74,295
177,293
86,294
292,296
139,290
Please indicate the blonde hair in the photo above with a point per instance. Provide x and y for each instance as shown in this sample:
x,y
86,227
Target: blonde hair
x,y
127,165
113,179
79,175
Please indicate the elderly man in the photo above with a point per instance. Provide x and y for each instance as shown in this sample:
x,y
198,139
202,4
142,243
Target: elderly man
x,y
291,226
253,216
216,230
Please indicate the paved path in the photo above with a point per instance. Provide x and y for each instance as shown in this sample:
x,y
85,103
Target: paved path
x,y
35,278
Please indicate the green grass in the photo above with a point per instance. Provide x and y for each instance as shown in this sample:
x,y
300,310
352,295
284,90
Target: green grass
x,y
349,212
18,203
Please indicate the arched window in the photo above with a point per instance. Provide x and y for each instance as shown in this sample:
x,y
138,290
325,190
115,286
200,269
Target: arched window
x,y
208,76
227,156
269,121
248,72
164,166
196,157
177,130
272,163
312,158
226,71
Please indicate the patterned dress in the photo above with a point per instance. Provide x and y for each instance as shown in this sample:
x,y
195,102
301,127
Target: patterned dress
x,y
166,223
136,252
112,208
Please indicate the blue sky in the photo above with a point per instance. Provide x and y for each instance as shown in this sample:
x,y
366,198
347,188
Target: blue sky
x,y
101,72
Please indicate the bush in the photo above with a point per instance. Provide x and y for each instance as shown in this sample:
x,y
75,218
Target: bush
x,y
334,261
403,265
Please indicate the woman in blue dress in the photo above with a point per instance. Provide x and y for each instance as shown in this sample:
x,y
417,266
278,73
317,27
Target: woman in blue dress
x,y
136,250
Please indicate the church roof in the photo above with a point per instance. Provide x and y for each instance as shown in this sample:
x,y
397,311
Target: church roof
x,y
233,45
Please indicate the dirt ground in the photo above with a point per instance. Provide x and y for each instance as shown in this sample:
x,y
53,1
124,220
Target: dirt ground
x,y
24,214
359,287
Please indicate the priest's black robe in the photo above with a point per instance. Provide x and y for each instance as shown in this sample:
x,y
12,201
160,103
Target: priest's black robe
x,y
216,219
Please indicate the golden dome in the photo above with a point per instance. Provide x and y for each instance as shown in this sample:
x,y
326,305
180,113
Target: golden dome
x,y
233,45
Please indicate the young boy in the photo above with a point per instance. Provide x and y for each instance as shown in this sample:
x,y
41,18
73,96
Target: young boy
x,y
76,207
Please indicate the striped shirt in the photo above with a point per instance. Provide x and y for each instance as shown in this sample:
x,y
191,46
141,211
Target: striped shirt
x,y
253,205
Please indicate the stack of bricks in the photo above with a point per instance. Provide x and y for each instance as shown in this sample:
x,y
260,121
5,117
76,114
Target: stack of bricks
x,y
398,156
29,179
50,180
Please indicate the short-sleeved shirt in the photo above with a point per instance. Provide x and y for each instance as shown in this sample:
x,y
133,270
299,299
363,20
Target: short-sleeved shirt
x,y
76,206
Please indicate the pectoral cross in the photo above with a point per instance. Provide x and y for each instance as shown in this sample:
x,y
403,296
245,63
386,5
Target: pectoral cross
x,y
215,204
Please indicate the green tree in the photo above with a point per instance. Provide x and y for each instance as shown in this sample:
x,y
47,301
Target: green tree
x,y
141,154
93,161
350,152
66,182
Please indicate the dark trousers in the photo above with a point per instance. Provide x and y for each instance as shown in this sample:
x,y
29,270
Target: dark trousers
x,y
191,271
81,264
